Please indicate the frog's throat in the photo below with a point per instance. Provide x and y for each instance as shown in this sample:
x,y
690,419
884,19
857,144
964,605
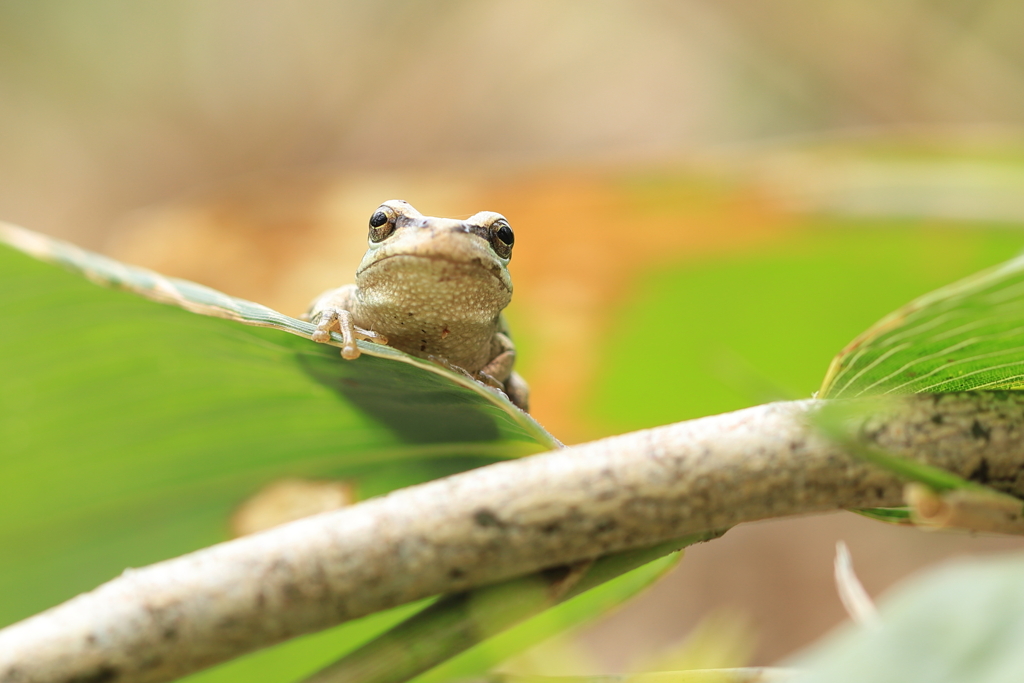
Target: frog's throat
x,y
495,269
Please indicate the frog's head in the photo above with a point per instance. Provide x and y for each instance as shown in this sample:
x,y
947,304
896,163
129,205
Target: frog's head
x,y
473,253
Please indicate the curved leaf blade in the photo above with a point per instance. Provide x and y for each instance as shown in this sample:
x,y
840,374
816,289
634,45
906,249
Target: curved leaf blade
x,y
206,301
963,337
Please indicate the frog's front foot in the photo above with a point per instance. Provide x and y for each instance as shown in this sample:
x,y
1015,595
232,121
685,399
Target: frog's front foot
x,y
339,319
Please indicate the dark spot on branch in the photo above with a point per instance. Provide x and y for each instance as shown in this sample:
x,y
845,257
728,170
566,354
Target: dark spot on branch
x,y
551,528
873,435
980,472
104,674
292,591
151,662
937,418
456,573
556,574
170,633
980,432
606,525
485,518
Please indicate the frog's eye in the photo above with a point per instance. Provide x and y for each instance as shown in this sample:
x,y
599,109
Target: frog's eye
x,y
502,238
381,225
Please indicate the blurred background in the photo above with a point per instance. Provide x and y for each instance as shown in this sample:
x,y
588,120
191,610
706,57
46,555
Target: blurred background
x,y
710,200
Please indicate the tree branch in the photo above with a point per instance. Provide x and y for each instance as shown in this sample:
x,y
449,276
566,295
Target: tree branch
x,y
496,522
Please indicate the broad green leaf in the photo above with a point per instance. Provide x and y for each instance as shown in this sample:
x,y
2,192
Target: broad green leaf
x,y
966,336
130,429
960,623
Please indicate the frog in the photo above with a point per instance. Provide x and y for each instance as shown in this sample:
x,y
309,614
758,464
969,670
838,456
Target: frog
x,y
434,288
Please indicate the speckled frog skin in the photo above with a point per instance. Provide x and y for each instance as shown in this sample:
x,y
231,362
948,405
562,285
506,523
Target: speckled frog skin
x,y
434,288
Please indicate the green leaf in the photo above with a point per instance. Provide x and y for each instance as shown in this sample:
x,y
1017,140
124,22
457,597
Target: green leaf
x,y
298,658
462,622
889,515
959,623
129,429
578,610
966,336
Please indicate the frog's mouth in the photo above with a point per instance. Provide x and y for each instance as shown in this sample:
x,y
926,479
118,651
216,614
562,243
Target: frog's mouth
x,y
476,263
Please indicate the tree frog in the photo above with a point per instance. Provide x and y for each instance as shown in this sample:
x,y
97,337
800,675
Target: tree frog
x,y
433,288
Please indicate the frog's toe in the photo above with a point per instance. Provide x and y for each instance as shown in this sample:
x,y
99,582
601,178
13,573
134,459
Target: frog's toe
x,y
321,336
350,333
489,380
369,335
